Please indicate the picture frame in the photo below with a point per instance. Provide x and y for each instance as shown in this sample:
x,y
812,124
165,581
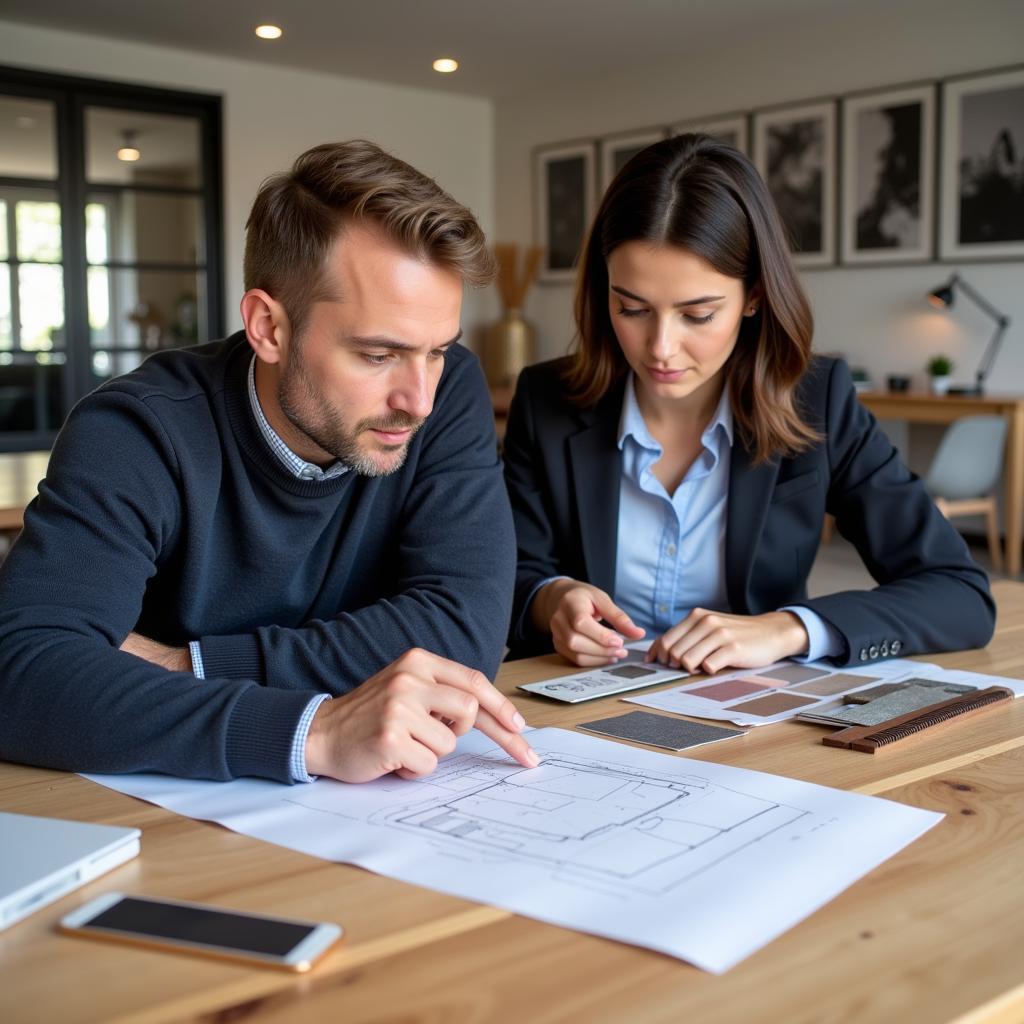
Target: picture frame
x,y
795,151
564,184
981,211
888,176
617,150
731,129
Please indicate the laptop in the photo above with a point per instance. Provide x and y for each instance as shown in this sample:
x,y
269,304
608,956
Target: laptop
x,y
42,859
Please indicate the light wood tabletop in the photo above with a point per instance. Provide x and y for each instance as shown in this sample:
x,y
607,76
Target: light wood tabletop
x,y
914,407
934,934
20,473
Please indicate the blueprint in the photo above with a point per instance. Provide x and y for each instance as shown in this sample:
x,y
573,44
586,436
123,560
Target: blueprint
x,y
701,861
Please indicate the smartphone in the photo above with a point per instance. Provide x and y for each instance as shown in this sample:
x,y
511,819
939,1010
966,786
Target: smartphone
x,y
194,928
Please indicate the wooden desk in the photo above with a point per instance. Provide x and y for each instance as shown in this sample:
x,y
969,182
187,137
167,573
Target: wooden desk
x,y
922,408
20,473
932,935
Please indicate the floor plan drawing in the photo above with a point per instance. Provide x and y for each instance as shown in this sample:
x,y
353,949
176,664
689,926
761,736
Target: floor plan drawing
x,y
702,861
591,820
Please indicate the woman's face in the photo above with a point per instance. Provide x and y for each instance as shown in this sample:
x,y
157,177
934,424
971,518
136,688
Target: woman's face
x,y
677,319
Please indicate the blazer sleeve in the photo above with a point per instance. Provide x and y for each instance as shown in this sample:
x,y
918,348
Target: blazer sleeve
x,y
533,516
931,595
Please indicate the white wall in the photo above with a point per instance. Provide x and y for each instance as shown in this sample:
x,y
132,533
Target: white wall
x,y
877,317
272,114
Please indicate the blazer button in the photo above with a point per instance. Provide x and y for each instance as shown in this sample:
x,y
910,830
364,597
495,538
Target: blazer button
x,y
873,651
895,646
885,648
863,654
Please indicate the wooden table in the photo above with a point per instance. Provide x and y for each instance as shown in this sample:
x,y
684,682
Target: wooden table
x,y
934,934
922,408
20,473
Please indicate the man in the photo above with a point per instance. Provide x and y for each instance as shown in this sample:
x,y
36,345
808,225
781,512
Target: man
x,y
233,534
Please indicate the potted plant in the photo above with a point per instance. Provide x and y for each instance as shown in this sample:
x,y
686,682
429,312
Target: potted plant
x,y
940,367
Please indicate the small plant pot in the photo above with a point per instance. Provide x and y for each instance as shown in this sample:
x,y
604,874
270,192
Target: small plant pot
x,y
940,385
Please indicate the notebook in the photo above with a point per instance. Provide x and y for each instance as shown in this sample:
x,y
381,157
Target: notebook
x,y
42,859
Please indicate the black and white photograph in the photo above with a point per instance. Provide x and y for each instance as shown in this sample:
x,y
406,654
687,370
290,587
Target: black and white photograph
x,y
888,176
618,150
565,193
794,149
982,213
731,130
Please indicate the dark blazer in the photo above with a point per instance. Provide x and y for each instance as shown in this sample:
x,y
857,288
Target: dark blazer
x,y
563,469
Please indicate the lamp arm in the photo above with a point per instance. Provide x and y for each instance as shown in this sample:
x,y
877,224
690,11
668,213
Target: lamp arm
x,y
981,302
990,353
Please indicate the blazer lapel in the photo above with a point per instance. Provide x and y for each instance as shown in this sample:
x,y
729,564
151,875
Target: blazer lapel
x,y
750,489
595,462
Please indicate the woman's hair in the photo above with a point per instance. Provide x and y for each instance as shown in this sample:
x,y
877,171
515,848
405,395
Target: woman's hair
x,y
701,195
298,214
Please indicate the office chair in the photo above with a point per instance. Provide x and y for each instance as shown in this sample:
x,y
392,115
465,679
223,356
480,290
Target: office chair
x,y
965,473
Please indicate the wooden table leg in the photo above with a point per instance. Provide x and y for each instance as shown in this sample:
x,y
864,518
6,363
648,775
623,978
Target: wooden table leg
x,y
1014,490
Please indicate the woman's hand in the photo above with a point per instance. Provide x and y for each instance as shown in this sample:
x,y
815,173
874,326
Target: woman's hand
x,y
573,611
708,641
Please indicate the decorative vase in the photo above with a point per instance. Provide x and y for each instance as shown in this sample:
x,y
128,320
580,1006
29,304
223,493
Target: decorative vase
x,y
940,385
509,346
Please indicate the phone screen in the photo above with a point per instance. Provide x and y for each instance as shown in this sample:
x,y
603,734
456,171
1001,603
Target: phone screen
x,y
194,924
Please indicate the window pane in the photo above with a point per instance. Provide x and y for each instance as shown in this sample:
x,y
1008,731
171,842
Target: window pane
x,y
146,309
6,338
112,364
28,140
38,228
168,148
41,304
30,392
144,227
5,251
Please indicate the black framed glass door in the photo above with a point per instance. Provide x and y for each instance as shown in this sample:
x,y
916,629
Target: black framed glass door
x,y
110,238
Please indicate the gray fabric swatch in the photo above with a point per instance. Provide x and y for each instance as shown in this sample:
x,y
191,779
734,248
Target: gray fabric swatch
x,y
659,731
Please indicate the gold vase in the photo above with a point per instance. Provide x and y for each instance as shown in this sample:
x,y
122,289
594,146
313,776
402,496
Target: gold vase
x,y
509,345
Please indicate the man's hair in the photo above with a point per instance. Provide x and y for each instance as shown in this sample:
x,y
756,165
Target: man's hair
x,y
298,215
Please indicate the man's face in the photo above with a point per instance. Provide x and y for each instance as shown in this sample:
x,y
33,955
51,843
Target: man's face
x,y
360,381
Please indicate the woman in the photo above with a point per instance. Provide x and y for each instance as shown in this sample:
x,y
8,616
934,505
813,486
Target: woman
x,y
670,477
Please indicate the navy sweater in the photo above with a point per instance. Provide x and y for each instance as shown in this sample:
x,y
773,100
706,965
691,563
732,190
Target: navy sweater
x,y
163,511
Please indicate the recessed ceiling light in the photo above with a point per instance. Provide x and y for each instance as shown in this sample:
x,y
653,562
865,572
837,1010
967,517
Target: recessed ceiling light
x,y
446,65
269,31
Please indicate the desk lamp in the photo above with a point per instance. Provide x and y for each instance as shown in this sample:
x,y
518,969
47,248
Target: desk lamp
x,y
942,298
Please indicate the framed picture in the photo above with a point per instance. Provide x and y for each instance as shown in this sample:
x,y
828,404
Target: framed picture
x,y
794,149
888,176
982,175
616,151
565,205
730,130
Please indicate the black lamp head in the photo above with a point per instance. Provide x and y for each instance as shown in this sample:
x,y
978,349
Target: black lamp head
x,y
942,297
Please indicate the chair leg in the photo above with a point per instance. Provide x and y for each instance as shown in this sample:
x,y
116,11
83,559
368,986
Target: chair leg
x,y
992,527
827,528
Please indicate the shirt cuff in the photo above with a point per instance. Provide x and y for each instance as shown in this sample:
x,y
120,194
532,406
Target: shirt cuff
x,y
823,640
521,624
298,757
196,653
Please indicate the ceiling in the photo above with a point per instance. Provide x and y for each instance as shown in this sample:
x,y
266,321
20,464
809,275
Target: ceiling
x,y
505,48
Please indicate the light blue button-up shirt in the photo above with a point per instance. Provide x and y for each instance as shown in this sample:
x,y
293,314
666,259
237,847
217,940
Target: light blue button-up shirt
x,y
671,548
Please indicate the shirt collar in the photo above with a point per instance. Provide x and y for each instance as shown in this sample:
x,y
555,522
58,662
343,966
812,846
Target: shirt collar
x,y
295,465
632,424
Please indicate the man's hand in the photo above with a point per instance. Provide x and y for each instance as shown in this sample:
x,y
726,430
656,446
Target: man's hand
x,y
174,659
708,641
407,717
573,611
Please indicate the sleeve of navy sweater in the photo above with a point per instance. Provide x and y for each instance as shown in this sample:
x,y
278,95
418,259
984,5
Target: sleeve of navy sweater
x,y
457,555
70,592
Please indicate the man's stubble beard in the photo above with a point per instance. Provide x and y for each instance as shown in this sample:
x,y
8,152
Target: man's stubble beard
x,y
307,411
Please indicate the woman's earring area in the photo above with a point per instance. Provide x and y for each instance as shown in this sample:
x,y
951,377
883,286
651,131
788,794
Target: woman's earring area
x,y
751,310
